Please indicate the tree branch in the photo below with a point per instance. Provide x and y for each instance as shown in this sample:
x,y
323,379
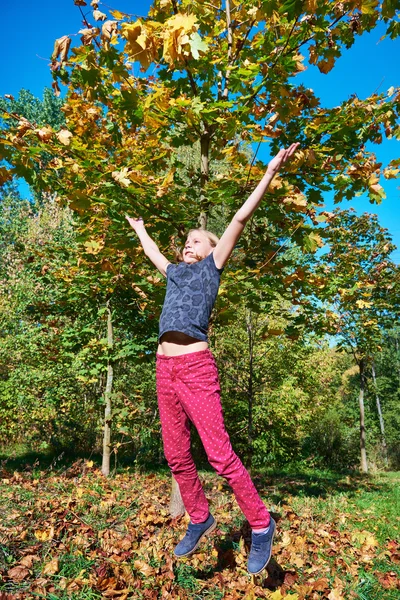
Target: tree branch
x,y
230,44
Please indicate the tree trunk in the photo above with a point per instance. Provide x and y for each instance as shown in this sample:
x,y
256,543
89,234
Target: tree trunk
x,y
381,422
397,355
364,463
105,467
205,172
176,506
250,393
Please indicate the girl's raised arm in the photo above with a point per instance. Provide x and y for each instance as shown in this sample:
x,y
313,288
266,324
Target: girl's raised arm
x,y
226,244
149,246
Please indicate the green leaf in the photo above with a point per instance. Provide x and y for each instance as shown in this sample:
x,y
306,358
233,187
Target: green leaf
x,y
197,45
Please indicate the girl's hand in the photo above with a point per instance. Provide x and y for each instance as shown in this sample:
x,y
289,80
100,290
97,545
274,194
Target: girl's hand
x,y
280,159
136,224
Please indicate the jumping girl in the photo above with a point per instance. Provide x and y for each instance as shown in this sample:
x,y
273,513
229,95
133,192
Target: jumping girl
x,y
187,377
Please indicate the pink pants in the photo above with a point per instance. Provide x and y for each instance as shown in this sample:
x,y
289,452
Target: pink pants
x,y
188,390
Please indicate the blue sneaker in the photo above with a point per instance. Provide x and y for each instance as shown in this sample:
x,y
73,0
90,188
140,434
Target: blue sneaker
x,y
261,549
194,533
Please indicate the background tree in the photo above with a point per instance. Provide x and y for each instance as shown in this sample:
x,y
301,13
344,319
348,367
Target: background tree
x,y
360,285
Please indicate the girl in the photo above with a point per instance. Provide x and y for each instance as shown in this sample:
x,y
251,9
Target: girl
x,y
187,377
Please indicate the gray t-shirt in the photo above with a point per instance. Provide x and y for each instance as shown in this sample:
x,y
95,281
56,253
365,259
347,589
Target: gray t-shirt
x,y
191,293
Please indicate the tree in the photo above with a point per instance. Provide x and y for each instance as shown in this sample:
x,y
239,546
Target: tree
x,y
225,78
359,285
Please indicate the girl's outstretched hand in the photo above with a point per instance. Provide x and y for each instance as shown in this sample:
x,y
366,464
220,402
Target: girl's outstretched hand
x,y
135,223
280,159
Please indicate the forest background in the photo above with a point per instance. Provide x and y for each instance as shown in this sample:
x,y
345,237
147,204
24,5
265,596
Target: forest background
x,y
176,123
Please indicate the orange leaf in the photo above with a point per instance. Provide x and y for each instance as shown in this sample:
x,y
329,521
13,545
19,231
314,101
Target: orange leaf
x,y
18,573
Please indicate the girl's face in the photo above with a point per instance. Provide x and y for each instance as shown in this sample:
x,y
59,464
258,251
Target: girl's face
x,y
197,247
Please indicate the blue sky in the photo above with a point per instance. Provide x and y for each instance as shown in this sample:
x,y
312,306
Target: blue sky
x,y
29,30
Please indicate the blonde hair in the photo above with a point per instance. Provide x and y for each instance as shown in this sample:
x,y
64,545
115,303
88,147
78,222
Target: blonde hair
x,y
212,238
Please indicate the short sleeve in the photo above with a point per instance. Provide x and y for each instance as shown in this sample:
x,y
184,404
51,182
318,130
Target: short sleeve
x,y
214,266
170,268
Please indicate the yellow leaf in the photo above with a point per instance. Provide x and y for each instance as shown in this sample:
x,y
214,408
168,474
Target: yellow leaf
x,y
51,568
363,304
336,594
275,595
299,62
286,541
93,246
143,567
142,41
121,177
44,535
117,14
176,36
89,464
298,562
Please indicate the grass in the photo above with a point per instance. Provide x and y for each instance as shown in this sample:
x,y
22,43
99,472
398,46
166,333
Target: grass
x,y
66,532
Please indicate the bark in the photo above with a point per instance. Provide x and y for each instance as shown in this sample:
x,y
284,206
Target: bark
x,y
105,467
397,354
364,463
381,421
205,173
176,506
250,391
230,46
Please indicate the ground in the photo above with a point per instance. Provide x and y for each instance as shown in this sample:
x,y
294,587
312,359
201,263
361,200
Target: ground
x,y
67,532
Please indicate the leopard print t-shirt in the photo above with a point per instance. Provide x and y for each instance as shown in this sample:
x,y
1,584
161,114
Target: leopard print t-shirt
x,y
191,293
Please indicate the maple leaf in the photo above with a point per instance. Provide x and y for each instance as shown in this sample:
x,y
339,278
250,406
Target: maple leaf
x,y
122,177
117,14
64,136
88,35
51,567
176,36
336,594
197,45
363,304
45,133
93,246
143,42
61,47
56,88
99,16
143,567
28,560
109,28
326,65
389,581
18,573
44,535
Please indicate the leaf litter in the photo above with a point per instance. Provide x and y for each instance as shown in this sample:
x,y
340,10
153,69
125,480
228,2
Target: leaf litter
x,y
76,532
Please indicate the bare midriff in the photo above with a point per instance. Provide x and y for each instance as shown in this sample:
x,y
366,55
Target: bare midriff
x,y
175,343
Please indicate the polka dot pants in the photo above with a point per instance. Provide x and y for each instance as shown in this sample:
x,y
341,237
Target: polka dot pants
x,y
188,390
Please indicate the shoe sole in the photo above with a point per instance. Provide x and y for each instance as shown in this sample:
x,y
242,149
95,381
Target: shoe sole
x,y
269,557
206,532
